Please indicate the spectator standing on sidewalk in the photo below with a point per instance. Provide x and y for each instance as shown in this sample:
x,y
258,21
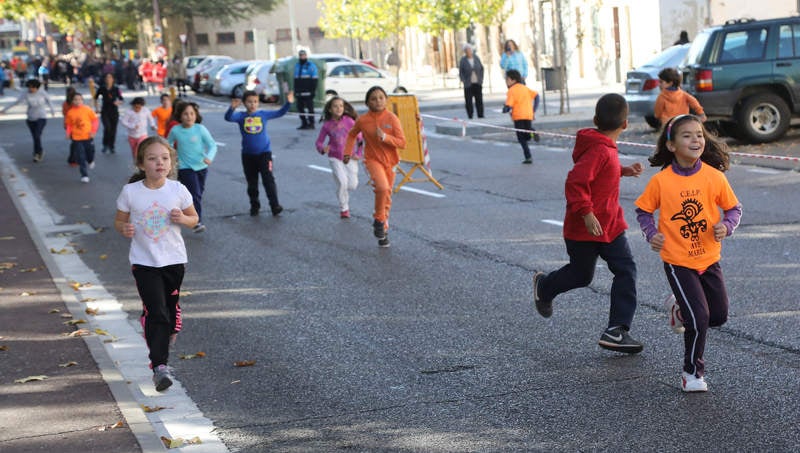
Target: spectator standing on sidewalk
x,y
512,58
594,225
150,211
470,70
306,77
109,111
35,99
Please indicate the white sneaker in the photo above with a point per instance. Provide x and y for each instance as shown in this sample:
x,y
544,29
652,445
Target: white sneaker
x,y
675,318
84,179
692,383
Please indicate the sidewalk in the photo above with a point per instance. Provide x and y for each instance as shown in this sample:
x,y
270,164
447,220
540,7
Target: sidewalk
x,y
72,408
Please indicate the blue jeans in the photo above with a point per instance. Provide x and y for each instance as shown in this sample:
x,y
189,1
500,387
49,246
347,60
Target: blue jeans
x,y
579,273
83,150
195,182
36,127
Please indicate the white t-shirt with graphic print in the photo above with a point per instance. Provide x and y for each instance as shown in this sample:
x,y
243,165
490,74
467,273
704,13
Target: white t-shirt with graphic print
x,y
157,242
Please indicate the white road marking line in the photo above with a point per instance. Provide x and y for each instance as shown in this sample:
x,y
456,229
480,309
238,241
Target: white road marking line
x,y
122,363
553,222
406,188
765,171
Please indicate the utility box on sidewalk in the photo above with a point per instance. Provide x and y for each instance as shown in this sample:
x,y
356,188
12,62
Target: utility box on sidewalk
x,y
552,79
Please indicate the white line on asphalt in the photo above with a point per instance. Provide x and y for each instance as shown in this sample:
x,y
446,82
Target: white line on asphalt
x,y
553,222
406,188
122,362
765,171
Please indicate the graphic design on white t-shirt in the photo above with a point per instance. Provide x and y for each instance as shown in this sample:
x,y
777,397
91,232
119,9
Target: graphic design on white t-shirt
x,y
155,221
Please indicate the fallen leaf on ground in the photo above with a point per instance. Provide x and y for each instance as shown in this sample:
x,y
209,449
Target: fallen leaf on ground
x,y
103,256
110,340
30,269
7,265
153,408
185,293
66,315
244,363
114,426
101,332
3,347
22,194
79,333
192,356
80,251
88,299
54,310
7,238
68,364
92,311
60,252
27,293
40,377
172,443
73,322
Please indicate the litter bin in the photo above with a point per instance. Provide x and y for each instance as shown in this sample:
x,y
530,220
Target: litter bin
x,y
284,72
553,78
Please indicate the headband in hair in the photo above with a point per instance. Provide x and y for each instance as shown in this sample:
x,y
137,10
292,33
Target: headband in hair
x,y
672,122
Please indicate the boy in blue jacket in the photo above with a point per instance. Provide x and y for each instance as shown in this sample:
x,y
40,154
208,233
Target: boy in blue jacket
x,y
256,151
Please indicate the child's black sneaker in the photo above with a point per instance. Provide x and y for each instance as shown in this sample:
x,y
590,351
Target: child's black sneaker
x,y
544,307
254,211
617,339
276,211
378,229
383,243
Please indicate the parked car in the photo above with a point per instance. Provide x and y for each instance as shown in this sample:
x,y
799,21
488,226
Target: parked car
x,y
206,63
206,76
746,75
229,81
641,84
351,80
191,63
259,79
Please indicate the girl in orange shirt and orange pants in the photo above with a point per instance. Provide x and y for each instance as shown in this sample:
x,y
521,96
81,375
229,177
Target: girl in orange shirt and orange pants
x,y
383,135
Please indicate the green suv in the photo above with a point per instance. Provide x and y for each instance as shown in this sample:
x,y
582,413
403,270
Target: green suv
x,y
746,75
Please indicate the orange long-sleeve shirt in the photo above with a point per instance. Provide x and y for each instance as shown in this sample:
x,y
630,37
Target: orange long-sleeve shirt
x,y
675,102
386,151
81,123
162,117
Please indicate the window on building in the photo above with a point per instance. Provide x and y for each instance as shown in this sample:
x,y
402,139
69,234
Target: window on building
x,y
202,39
316,33
285,34
248,36
226,38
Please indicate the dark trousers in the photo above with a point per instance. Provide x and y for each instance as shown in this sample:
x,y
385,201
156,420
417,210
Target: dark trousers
x,y
703,301
195,182
83,151
36,127
474,91
159,288
580,272
306,104
260,164
524,137
181,86
110,120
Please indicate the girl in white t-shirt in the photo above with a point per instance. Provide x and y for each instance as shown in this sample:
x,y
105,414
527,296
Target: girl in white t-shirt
x,y
150,210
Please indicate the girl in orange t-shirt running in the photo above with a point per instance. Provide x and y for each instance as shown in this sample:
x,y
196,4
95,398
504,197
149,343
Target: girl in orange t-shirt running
x,y
689,191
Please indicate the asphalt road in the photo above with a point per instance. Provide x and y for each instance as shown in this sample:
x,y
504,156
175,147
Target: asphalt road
x,y
433,345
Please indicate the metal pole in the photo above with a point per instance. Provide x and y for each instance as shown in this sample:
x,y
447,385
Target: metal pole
x,y
292,26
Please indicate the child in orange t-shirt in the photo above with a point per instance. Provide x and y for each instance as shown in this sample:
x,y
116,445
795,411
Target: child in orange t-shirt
x,y
521,101
689,191
81,124
162,114
672,100
383,135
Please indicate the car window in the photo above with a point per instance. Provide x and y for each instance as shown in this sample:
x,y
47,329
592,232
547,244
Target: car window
x,y
789,41
365,72
744,45
698,45
240,70
193,62
670,57
342,71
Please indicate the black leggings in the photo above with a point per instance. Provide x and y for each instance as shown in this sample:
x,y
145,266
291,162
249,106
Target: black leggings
x,y
159,288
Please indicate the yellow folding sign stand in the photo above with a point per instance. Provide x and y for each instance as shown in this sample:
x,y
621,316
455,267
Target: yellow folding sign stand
x,y
406,108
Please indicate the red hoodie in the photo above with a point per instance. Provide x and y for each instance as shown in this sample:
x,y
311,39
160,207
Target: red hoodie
x,y
593,186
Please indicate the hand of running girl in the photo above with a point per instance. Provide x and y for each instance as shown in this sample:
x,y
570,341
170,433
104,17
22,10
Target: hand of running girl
x,y
720,232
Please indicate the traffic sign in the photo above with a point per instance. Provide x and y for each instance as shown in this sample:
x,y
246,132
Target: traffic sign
x,y
161,51
182,36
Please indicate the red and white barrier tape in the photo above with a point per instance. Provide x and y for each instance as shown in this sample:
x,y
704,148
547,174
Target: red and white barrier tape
x,y
464,124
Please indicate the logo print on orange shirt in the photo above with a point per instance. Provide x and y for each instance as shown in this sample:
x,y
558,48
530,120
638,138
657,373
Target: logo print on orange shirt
x,y
253,125
690,209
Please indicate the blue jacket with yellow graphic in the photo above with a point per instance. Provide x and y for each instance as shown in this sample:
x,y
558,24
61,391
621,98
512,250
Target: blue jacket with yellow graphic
x,y
253,127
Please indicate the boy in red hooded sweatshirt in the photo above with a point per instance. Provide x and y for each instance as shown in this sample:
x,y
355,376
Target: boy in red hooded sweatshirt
x,y
594,225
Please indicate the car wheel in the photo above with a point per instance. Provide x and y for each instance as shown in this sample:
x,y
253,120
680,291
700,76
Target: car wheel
x,y
238,91
400,90
763,117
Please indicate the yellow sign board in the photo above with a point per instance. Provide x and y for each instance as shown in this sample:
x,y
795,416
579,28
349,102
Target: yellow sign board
x,y
406,107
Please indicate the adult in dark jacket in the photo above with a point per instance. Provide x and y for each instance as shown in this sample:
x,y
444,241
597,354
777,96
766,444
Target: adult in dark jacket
x,y
109,110
470,70
306,77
